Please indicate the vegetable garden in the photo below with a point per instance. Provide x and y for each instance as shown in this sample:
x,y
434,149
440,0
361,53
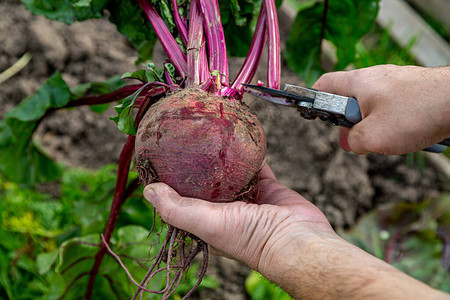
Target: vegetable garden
x,y
54,212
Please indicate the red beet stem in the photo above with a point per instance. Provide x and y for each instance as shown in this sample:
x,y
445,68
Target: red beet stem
x,y
173,51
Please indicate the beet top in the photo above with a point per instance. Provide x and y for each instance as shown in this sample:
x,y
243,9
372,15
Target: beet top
x,y
202,145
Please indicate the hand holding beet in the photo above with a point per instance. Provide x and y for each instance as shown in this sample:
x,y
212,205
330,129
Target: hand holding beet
x,y
404,109
288,240
247,231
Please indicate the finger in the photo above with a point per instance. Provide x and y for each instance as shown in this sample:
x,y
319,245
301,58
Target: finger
x,y
266,172
272,192
336,83
199,217
343,138
362,141
236,229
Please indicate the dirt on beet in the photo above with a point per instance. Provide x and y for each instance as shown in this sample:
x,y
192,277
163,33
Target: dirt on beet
x,y
218,142
305,155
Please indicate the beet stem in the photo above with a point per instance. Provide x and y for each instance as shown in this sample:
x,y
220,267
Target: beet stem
x,y
196,50
121,193
173,51
254,54
116,95
215,36
274,59
181,25
118,200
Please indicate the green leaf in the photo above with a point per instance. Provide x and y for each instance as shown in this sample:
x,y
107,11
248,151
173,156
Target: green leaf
x,y
5,282
260,288
303,47
342,22
131,22
411,236
67,11
355,18
144,76
126,122
238,20
74,252
164,10
21,160
87,196
44,261
124,118
99,108
171,70
95,88
53,93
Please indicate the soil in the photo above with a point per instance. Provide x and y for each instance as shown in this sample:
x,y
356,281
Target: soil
x,y
304,155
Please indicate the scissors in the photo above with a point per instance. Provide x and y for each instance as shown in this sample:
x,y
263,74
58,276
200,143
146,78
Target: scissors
x,y
312,104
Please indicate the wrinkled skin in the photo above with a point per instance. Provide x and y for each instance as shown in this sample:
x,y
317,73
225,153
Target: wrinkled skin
x,y
289,241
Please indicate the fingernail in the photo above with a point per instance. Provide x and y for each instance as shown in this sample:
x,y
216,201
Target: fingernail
x,y
150,195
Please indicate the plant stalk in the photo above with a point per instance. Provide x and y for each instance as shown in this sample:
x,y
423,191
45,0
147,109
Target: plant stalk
x,y
254,54
274,58
118,200
116,95
215,37
173,51
181,25
196,51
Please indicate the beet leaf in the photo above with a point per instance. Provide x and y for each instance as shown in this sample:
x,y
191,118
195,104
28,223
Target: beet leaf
x,y
343,23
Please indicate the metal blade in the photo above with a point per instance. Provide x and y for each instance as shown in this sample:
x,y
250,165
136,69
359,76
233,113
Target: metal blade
x,y
272,99
278,93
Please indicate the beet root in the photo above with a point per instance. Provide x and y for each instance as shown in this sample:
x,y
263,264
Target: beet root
x,y
202,145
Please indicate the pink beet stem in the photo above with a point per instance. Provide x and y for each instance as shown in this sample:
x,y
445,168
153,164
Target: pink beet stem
x,y
215,37
173,51
253,58
196,51
274,60
181,25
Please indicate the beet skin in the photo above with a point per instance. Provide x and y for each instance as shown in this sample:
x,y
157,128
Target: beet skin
x,y
202,145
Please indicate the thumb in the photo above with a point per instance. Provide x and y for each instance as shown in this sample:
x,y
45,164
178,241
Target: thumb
x,y
370,135
351,139
196,216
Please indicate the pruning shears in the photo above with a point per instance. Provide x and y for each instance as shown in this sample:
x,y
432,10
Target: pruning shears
x,y
312,104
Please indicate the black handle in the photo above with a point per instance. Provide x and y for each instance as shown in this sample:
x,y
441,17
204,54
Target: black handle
x,y
445,142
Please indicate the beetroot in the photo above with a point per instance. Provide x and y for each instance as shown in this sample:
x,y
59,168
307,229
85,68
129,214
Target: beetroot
x,y
193,131
202,145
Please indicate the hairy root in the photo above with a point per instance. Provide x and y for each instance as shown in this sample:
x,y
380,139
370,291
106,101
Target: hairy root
x,y
174,259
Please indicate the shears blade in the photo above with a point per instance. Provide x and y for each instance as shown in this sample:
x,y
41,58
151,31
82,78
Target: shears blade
x,y
288,93
272,99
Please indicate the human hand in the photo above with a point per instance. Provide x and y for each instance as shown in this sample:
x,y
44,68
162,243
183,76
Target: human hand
x,y
263,235
404,109
288,240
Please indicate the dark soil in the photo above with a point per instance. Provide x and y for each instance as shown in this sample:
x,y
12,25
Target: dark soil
x,y
305,155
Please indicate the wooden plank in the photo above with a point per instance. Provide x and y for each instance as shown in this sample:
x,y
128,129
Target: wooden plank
x,y
439,9
430,50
